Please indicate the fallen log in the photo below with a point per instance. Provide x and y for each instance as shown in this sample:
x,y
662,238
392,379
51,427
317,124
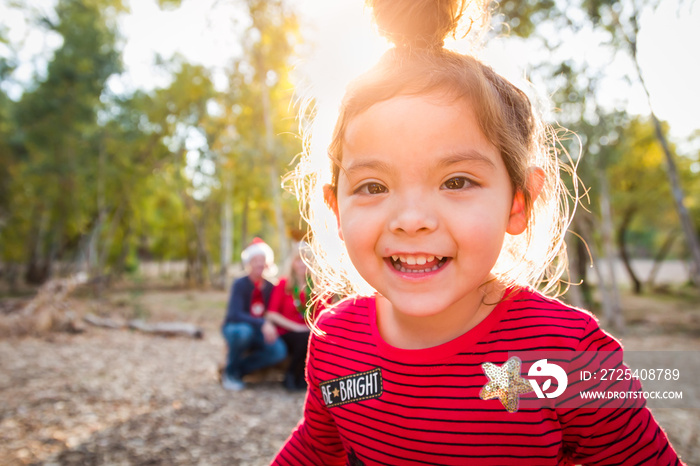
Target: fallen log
x,y
53,292
92,319
167,329
50,310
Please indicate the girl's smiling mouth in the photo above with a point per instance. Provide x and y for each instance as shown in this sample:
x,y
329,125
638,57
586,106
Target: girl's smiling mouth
x,y
417,263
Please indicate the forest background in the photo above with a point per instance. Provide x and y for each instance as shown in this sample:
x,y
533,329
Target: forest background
x,y
146,188
101,177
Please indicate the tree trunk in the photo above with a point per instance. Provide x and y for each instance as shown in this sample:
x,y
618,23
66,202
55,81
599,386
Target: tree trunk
x,y
226,234
244,221
107,245
124,253
605,300
86,250
689,232
691,237
660,256
87,255
12,272
582,259
201,261
275,180
622,246
574,294
587,258
613,314
95,262
193,273
202,254
36,271
584,262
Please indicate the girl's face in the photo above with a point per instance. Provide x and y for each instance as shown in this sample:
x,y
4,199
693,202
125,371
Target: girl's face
x,y
423,203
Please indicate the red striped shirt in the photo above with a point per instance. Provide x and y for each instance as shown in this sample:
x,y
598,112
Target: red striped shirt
x,y
429,410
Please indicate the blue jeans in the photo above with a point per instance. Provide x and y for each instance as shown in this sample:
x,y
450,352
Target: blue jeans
x,y
247,350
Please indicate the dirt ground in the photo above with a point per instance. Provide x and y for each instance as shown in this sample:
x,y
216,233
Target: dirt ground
x,y
113,397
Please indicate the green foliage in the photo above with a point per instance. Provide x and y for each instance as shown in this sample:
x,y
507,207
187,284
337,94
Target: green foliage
x,y
7,129
169,4
626,148
109,181
55,135
248,154
639,185
522,17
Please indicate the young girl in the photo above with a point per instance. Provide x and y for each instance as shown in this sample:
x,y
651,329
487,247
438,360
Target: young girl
x,y
447,202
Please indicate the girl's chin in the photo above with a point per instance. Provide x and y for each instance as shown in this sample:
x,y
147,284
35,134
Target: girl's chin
x,y
419,305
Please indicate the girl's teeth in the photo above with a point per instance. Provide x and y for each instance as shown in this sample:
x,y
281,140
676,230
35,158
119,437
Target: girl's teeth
x,y
405,270
415,260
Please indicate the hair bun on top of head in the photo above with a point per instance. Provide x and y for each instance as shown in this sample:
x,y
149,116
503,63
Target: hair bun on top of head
x,y
417,23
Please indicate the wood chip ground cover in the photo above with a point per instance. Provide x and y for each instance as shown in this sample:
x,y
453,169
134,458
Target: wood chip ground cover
x,y
121,397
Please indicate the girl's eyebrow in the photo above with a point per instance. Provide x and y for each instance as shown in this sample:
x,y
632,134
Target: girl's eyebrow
x,y
370,164
471,155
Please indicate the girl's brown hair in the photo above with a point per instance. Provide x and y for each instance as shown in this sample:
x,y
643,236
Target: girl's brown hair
x,y
420,65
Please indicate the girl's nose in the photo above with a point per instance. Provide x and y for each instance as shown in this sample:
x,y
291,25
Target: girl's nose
x,y
412,216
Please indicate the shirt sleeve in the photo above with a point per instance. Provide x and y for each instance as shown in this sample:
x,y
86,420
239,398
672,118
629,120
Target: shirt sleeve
x,y
239,305
624,432
276,297
316,440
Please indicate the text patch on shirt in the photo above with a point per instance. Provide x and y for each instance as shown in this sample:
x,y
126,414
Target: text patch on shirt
x,y
352,388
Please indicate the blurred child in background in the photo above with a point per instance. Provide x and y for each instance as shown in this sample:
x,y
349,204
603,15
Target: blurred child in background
x,y
289,304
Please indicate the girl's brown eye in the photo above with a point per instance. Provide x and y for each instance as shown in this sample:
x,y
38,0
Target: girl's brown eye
x,y
371,188
457,182
375,188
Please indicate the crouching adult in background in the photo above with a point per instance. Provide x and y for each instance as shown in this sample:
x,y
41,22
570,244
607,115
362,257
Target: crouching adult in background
x,y
253,342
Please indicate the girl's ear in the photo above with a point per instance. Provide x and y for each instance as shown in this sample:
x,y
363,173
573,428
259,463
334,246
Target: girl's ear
x,y
517,223
332,202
